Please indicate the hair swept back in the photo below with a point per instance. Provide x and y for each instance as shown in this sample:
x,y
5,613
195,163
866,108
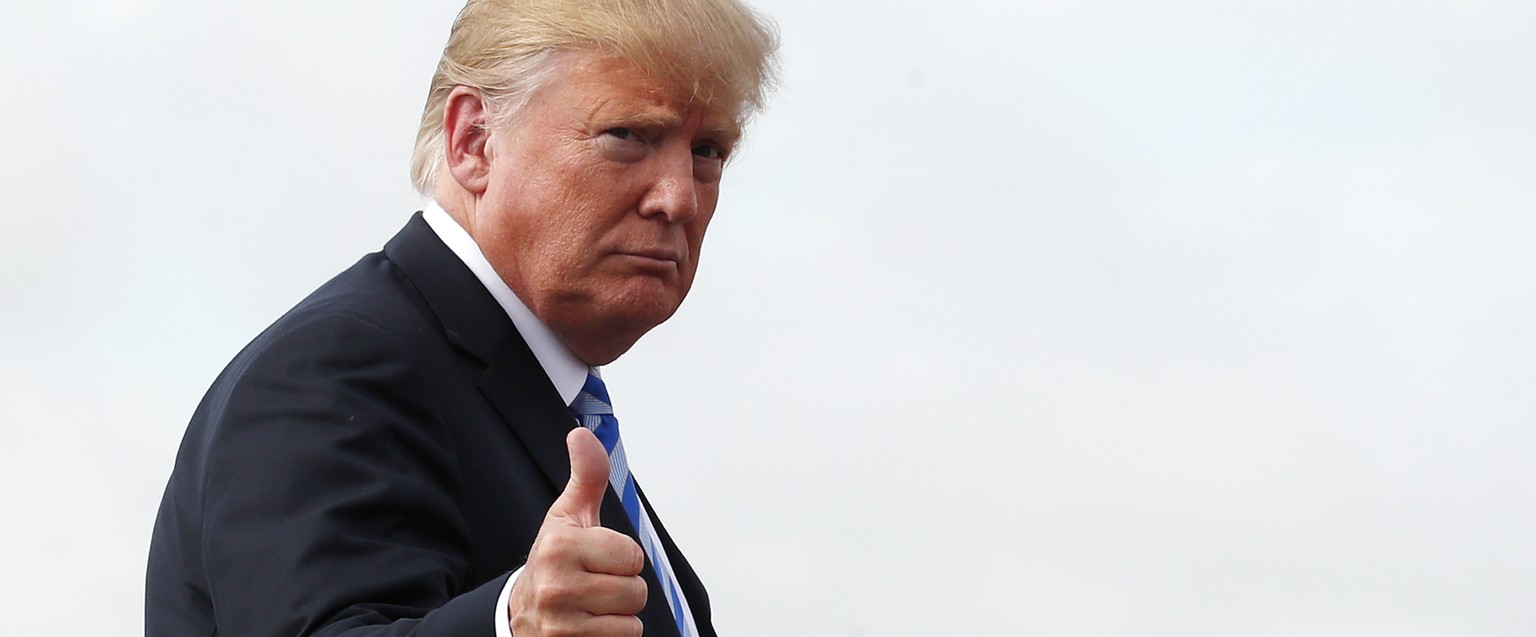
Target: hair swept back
x,y
720,52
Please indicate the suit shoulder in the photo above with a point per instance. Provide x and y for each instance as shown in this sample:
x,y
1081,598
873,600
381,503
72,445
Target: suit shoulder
x,y
373,291
366,325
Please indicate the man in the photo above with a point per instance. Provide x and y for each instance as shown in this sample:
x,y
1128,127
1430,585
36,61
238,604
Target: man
x,y
400,454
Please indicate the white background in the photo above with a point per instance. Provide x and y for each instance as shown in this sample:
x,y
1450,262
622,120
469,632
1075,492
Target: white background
x,y
1065,318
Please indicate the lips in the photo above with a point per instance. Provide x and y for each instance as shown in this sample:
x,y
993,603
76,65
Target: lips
x,y
658,254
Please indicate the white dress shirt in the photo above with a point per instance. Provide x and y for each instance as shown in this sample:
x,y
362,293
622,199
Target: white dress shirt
x,y
566,371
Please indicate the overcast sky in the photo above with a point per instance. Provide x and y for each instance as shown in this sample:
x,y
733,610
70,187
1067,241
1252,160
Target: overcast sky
x,y
1057,318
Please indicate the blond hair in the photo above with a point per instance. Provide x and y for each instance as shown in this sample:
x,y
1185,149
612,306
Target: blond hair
x,y
718,52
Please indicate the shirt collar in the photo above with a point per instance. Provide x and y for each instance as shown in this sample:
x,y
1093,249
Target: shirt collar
x,y
562,367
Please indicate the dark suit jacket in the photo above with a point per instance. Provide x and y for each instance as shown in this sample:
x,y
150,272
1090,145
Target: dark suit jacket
x,y
375,463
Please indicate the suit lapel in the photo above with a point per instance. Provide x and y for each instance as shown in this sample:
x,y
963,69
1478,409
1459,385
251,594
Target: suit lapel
x,y
687,579
513,382
471,318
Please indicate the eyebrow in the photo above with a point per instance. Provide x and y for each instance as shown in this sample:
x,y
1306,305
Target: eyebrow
x,y
725,130
653,118
727,134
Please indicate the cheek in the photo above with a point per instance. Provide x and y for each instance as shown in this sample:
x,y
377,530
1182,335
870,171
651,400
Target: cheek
x,y
695,231
594,199
700,223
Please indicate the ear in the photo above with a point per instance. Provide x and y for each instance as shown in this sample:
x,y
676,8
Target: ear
x,y
465,133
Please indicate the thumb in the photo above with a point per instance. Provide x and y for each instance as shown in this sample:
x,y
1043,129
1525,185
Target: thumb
x,y
583,496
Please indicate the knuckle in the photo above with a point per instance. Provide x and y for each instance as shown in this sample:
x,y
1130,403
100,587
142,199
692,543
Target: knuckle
x,y
560,547
559,542
560,593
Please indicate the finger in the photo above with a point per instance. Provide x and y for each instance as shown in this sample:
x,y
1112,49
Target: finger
x,y
613,626
606,594
582,499
610,552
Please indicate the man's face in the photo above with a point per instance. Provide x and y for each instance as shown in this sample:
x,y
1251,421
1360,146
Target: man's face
x,y
598,199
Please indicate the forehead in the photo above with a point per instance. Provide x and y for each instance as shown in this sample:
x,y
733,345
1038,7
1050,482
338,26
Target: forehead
x,y
606,88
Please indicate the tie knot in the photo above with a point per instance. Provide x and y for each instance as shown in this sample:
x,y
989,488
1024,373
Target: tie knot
x,y
593,399
595,386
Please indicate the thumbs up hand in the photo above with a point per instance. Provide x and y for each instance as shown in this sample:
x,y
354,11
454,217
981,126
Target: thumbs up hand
x,y
581,578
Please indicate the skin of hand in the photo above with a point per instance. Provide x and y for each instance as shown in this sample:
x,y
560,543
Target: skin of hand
x,y
581,578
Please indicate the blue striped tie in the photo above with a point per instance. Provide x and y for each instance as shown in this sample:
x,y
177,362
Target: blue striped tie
x,y
595,411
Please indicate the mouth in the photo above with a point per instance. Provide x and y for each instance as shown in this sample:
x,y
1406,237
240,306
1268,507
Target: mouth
x,y
654,258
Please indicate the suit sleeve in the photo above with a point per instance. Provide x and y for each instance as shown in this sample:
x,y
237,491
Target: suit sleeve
x,y
330,494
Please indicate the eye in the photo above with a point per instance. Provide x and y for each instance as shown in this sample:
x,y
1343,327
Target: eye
x,y
623,144
708,162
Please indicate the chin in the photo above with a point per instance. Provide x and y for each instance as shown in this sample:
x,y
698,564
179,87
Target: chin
x,y
642,311
646,299
643,317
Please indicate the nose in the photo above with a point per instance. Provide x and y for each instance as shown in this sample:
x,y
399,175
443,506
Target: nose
x,y
673,194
